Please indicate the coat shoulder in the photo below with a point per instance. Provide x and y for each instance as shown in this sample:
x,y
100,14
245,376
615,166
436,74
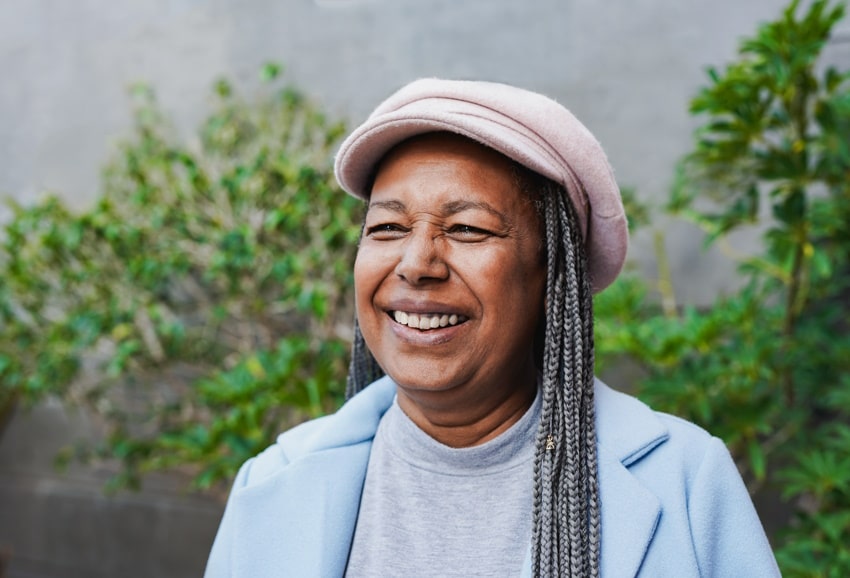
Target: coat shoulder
x,y
630,429
353,423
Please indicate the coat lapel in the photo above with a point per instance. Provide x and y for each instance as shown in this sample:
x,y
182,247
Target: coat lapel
x,y
630,514
305,513
627,430
324,508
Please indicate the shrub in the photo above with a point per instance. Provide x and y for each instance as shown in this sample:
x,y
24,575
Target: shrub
x,y
767,367
203,304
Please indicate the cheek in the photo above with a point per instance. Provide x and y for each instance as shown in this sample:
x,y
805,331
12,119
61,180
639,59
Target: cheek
x,y
370,268
362,278
507,284
527,281
519,273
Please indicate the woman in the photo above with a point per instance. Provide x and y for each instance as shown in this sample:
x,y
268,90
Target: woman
x,y
476,441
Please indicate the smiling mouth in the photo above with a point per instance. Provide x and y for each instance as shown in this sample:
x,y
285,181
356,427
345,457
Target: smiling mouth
x,y
426,321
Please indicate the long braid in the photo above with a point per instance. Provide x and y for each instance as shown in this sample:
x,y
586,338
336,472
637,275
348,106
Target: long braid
x,y
566,531
566,508
571,375
542,538
589,406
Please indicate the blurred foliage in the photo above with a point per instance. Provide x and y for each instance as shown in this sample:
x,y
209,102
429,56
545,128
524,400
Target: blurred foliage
x,y
203,305
767,367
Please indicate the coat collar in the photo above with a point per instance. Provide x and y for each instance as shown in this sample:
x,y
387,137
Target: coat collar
x,y
318,492
354,423
626,430
625,427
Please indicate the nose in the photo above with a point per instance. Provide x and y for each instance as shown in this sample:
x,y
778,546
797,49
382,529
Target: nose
x,y
422,259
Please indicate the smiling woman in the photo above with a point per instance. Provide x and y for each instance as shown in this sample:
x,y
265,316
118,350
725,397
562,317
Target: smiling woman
x,y
476,440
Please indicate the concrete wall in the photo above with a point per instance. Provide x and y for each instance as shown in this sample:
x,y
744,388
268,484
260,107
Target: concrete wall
x,y
56,525
626,68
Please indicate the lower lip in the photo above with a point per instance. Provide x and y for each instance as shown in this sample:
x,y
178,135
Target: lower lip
x,y
430,337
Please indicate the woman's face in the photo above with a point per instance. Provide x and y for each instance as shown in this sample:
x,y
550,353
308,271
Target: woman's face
x,y
449,276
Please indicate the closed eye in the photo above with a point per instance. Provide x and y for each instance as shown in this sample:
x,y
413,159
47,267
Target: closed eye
x,y
469,233
385,231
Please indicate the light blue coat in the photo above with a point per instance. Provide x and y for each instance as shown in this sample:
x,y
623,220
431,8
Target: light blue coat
x,y
673,503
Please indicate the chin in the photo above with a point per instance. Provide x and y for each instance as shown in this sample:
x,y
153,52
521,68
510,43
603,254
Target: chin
x,y
422,379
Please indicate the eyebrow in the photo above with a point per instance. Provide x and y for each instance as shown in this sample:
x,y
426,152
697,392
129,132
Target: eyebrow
x,y
448,209
394,206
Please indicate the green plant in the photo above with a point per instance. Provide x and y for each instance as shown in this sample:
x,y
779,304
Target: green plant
x,y
203,303
766,367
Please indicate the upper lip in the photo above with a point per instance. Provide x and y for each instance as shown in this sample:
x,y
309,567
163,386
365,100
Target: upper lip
x,y
424,307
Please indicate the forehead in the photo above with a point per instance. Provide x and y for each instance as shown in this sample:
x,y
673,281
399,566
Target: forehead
x,y
429,166
445,144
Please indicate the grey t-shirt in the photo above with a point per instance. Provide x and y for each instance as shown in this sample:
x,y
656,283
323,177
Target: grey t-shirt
x,y
431,510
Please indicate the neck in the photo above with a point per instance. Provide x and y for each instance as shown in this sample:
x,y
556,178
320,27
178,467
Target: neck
x,y
456,420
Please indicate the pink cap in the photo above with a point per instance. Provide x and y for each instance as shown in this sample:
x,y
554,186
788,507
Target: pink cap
x,y
527,127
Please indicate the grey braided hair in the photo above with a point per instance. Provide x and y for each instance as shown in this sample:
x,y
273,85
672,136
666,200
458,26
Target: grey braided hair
x,y
566,508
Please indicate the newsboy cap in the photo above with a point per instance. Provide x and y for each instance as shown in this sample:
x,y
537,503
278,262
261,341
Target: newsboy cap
x,y
525,126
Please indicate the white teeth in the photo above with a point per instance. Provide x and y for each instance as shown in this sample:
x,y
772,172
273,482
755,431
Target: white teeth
x,y
423,321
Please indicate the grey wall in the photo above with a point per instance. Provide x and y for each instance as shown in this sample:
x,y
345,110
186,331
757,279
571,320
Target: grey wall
x,y
625,67
63,525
